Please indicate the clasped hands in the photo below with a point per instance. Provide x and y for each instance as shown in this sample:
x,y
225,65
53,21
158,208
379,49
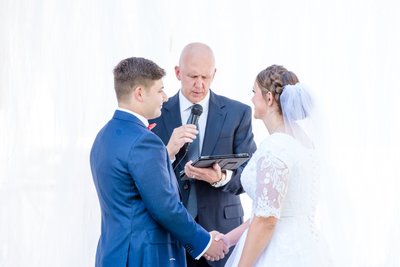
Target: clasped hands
x,y
219,247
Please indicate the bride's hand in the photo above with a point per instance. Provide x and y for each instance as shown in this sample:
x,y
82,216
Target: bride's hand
x,y
224,238
218,237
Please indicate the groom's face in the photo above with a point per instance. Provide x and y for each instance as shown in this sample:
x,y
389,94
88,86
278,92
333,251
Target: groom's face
x,y
154,97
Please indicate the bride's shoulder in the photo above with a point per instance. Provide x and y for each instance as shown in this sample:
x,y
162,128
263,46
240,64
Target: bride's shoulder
x,y
281,146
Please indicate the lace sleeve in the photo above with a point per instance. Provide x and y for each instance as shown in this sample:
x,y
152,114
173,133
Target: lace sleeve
x,y
271,186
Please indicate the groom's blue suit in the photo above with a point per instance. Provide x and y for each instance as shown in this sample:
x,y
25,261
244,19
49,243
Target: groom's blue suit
x,y
143,220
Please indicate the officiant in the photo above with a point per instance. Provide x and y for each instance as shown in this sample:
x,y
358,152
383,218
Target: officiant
x,y
224,127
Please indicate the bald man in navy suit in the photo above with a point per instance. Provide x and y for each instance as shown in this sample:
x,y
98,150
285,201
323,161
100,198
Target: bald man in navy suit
x,y
224,127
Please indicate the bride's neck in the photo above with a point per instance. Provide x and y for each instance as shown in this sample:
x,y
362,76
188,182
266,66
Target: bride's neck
x,y
274,123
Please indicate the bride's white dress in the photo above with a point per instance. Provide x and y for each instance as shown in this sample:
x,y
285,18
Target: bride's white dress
x,y
281,179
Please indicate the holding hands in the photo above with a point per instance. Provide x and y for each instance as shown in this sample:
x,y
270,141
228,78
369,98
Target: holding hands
x,y
218,248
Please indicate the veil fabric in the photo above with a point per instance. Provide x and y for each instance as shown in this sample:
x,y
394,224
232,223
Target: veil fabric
x,y
304,120
297,106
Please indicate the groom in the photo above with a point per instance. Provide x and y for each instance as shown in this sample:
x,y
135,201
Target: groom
x,y
143,221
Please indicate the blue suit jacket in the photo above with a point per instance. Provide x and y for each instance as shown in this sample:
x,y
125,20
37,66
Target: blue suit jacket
x,y
228,131
143,222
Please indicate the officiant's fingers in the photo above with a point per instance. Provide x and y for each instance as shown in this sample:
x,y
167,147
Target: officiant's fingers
x,y
189,169
216,167
205,174
193,172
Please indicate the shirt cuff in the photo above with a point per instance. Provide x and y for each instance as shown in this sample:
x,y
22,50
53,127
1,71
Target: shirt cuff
x,y
206,248
228,177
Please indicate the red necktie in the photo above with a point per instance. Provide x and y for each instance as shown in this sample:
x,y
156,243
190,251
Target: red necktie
x,y
151,126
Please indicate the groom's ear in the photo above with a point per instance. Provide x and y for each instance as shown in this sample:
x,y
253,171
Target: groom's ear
x,y
138,93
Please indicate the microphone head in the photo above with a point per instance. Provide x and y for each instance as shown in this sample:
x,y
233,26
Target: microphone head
x,y
197,109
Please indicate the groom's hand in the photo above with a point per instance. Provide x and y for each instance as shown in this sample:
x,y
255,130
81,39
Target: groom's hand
x,y
224,238
217,250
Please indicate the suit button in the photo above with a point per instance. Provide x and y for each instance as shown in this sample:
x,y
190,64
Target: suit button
x,y
186,186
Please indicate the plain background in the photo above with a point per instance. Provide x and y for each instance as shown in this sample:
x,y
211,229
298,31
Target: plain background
x,y
56,92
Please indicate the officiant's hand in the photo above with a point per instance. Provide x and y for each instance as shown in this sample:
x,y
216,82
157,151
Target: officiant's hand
x,y
210,175
217,250
180,136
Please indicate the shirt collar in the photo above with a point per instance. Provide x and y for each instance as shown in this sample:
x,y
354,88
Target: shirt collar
x,y
140,117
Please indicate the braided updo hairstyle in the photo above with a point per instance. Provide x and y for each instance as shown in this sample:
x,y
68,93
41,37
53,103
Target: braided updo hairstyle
x,y
273,79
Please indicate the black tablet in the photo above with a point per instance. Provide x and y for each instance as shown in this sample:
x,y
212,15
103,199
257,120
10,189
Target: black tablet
x,y
226,162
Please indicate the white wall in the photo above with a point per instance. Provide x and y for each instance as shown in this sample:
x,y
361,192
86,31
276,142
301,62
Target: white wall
x,y
56,91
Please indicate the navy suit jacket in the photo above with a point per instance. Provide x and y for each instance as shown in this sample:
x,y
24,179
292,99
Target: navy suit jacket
x,y
228,131
143,222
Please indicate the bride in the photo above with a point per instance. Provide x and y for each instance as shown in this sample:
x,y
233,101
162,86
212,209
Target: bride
x,y
281,179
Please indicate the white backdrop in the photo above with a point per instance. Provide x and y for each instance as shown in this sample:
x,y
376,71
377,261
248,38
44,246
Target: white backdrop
x,y
56,92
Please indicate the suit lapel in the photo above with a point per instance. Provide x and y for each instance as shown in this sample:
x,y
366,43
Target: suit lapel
x,y
172,119
215,121
171,114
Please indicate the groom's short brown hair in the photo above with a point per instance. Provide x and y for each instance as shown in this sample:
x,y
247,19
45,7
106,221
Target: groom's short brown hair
x,y
135,71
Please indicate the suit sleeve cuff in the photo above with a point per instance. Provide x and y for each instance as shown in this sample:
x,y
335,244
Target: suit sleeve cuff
x,y
205,249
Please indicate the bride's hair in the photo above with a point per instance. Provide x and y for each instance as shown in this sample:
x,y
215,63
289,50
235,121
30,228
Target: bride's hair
x,y
293,99
273,79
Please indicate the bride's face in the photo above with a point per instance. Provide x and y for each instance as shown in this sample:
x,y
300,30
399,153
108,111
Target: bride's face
x,y
260,105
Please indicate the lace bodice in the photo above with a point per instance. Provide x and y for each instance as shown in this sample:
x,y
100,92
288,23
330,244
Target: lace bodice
x,y
280,178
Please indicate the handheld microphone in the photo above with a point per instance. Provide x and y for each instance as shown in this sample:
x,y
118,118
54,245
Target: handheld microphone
x,y
193,119
195,113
